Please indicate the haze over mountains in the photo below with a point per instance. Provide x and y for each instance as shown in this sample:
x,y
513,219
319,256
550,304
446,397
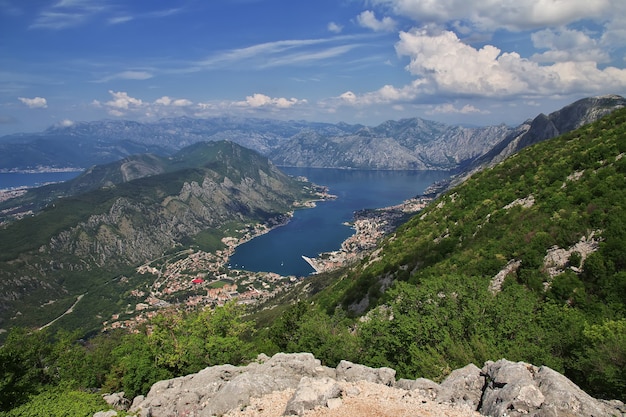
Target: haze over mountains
x,y
404,144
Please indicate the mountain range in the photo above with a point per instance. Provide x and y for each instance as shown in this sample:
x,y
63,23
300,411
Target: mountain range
x,y
413,144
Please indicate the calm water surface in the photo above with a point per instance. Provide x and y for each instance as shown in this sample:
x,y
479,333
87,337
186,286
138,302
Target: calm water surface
x,y
321,229
10,180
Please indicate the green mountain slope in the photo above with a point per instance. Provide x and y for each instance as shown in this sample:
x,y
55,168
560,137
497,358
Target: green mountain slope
x,y
526,260
79,243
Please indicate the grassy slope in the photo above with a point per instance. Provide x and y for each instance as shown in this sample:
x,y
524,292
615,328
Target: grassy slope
x,y
439,314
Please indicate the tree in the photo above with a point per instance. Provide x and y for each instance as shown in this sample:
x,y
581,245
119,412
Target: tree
x,y
24,360
602,361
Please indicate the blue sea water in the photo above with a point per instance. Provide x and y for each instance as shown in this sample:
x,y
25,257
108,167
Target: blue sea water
x,y
321,229
311,231
9,180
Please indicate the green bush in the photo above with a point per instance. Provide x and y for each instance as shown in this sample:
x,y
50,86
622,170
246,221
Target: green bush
x,y
56,402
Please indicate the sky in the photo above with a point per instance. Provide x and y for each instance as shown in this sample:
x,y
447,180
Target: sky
x,y
470,62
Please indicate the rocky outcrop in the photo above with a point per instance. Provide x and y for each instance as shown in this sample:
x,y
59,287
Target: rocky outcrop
x,y
519,389
543,127
501,388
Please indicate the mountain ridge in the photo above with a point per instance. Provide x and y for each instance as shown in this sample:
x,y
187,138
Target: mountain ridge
x,y
106,231
413,144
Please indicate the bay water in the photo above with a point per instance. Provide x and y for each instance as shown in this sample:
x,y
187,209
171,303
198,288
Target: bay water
x,y
311,231
10,180
322,229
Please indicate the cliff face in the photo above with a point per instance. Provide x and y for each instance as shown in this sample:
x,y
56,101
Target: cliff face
x,y
297,384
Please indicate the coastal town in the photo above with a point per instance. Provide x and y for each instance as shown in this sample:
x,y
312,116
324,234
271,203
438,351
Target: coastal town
x,y
192,279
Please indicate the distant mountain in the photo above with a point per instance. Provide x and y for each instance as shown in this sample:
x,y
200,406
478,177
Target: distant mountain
x,y
90,143
133,211
405,144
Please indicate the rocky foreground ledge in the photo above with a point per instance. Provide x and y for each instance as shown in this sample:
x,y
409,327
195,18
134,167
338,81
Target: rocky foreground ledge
x,y
297,384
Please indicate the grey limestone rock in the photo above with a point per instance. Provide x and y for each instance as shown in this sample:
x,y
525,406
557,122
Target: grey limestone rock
x,y
312,393
216,390
463,387
424,387
502,388
117,400
352,372
520,389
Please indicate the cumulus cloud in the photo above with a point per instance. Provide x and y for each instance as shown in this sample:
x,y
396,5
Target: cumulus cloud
x,y
261,100
564,44
445,66
167,101
367,19
515,15
122,104
34,103
121,100
449,65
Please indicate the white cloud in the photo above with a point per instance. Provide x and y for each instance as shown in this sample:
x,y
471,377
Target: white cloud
x,y
280,53
167,101
122,101
567,45
367,19
163,101
34,103
261,100
334,27
123,105
515,15
445,66
448,65
182,102
70,13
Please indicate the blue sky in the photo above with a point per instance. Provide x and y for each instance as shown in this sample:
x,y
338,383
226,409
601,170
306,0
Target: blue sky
x,y
359,61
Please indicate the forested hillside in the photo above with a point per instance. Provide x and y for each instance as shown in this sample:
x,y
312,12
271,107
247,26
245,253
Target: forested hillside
x,y
90,244
524,261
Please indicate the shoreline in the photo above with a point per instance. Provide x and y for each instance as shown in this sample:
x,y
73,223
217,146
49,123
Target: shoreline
x,y
311,262
41,170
